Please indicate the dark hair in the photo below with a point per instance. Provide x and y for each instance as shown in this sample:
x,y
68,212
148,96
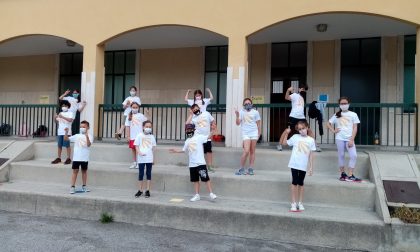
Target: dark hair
x,y
135,104
338,114
246,99
78,98
198,91
65,102
194,105
147,121
133,87
85,122
305,123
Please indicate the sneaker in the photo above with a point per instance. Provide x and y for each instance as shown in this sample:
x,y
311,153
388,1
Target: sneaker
x,y
118,135
147,195
343,176
210,169
240,172
300,206
318,149
133,165
213,196
250,171
195,198
56,161
279,147
138,194
85,189
68,161
72,190
293,207
352,178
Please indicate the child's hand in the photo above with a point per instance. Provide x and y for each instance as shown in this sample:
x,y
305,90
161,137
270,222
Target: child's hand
x,y
189,91
351,143
66,130
67,92
84,103
208,90
335,131
310,171
128,102
288,130
236,112
290,89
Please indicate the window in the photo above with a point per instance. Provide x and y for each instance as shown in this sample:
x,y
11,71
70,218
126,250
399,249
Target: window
x,y
119,75
409,60
216,60
71,65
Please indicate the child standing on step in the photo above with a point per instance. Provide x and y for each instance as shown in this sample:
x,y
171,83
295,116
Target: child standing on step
x,y
346,129
199,99
145,146
301,161
64,119
198,170
127,109
82,143
135,119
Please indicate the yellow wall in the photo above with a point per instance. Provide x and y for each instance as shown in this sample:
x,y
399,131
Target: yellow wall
x,y
258,67
323,69
26,78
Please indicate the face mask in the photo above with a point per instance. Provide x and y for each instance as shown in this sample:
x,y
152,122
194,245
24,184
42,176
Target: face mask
x,y
135,111
303,132
132,93
147,131
64,109
189,134
345,107
82,130
248,107
198,98
198,112
75,95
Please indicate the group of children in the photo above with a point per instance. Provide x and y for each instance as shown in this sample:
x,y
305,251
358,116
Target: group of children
x,y
199,128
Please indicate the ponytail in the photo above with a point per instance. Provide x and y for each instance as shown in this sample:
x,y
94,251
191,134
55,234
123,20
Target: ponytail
x,y
338,114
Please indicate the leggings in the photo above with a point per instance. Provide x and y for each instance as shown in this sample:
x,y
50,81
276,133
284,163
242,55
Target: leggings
x,y
148,171
341,148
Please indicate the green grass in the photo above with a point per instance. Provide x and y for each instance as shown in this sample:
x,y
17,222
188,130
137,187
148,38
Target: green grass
x,y
106,218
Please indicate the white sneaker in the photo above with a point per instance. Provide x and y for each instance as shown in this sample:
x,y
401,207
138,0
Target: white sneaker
x,y
85,189
213,196
195,198
279,148
300,206
72,190
133,165
293,207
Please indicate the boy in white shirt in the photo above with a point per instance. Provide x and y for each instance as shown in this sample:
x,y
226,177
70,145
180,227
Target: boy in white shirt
x,y
301,160
135,119
82,143
127,109
64,120
198,170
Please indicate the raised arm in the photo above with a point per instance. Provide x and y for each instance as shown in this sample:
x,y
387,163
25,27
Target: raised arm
x,y
82,106
210,94
64,94
187,94
288,92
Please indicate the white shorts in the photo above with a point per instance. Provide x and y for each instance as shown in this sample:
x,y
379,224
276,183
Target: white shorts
x,y
249,137
127,123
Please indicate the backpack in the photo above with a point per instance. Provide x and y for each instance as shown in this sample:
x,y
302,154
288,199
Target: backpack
x,y
313,112
5,129
42,131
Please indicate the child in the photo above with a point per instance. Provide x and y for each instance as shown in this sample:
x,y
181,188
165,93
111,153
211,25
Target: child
x,y
82,142
199,99
135,119
300,160
203,122
74,100
145,146
127,108
64,119
346,129
197,164
250,122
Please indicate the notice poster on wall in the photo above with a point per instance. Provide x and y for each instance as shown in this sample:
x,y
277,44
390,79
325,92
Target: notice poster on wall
x,y
277,87
44,99
258,99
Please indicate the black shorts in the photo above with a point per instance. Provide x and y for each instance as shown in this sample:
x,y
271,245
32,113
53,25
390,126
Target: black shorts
x,y
293,121
298,176
78,164
199,173
207,147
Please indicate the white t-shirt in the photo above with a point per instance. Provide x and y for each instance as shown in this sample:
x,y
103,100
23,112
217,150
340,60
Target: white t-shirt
x,y
194,146
202,123
136,125
345,124
249,122
74,104
302,147
298,104
62,124
146,144
81,150
131,99
203,107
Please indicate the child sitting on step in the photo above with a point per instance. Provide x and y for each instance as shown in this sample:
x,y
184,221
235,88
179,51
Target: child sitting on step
x,y
300,161
198,170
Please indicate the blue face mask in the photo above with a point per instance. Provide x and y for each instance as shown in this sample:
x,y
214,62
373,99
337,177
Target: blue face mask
x,y
75,95
248,107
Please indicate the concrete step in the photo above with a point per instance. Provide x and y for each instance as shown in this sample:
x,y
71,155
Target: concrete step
x,y
266,185
346,228
266,159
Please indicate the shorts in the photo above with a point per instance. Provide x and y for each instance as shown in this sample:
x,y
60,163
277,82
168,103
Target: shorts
x,y
298,176
62,143
249,137
131,145
199,173
148,171
207,147
79,164
127,122
293,121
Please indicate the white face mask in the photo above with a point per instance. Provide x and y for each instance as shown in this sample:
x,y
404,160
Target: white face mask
x,y
147,130
132,93
82,130
64,109
135,111
198,98
345,107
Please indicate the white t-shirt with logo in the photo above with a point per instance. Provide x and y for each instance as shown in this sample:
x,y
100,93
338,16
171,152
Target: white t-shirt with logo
x,y
145,144
302,147
62,124
74,104
202,123
136,125
249,122
131,99
298,105
195,149
203,107
345,124
81,150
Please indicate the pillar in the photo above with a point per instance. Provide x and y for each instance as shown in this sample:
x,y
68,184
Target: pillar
x,y
417,79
